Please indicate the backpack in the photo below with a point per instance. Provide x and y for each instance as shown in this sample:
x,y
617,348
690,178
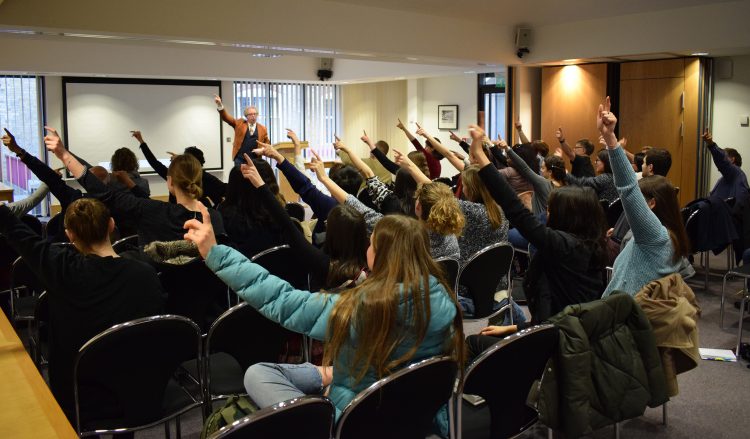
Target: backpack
x,y
236,407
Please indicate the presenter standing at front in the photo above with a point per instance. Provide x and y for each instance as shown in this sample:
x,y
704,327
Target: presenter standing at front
x,y
247,132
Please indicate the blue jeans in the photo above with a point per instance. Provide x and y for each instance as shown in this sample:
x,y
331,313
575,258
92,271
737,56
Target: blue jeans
x,y
269,383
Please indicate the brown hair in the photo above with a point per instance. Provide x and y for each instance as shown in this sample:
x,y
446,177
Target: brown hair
x,y
420,160
187,175
372,310
124,160
88,219
667,209
477,192
440,210
382,145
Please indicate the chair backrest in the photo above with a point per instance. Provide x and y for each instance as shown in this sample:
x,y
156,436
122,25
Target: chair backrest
x,y
246,335
450,267
613,212
131,364
503,375
125,244
402,405
281,261
22,276
310,417
193,291
482,274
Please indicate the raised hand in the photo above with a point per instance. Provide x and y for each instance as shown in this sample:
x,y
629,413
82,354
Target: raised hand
x,y
267,150
250,172
421,131
123,178
518,125
365,138
606,123
10,141
201,233
454,137
400,124
500,142
292,136
138,136
402,160
559,135
338,144
317,165
53,142
217,99
706,136
476,132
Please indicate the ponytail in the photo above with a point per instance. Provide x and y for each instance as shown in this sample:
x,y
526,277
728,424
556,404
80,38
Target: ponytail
x,y
187,175
440,210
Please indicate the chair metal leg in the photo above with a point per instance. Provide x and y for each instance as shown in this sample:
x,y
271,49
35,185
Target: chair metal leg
x,y
739,331
549,433
664,419
617,430
721,308
166,430
708,270
178,430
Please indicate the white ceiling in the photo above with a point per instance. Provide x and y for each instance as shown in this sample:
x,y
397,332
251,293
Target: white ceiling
x,y
369,40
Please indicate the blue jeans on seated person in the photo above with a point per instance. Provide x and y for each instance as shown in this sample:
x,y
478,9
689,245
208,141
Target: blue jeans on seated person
x,y
518,241
270,383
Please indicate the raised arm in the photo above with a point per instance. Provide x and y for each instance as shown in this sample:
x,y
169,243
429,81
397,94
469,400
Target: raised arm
x,y
445,152
521,135
223,113
564,147
404,162
522,167
320,203
119,202
644,224
400,125
299,161
719,156
354,159
387,163
320,172
316,261
19,208
155,164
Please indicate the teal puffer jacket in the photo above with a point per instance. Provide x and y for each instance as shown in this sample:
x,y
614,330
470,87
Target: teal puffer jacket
x,y
308,313
607,367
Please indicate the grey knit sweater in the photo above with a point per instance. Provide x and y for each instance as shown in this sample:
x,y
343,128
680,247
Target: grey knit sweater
x,y
649,255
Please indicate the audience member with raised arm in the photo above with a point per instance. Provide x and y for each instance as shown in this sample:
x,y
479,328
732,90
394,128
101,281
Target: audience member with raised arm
x,y
125,164
579,156
568,266
733,181
341,263
432,156
90,289
213,188
653,212
155,220
402,313
372,162
247,132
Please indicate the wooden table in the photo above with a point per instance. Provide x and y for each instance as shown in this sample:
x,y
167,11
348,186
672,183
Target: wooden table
x,y
6,193
27,407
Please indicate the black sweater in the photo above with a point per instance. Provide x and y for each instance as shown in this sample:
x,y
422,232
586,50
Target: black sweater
x,y
562,271
87,294
155,220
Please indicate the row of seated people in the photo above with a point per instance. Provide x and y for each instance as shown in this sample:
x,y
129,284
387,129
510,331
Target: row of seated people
x,y
384,303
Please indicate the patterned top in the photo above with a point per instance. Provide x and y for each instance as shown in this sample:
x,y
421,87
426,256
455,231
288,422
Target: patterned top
x,y
603,184
478,232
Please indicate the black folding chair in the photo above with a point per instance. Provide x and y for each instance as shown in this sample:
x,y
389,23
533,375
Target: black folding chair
x,y
193,291
450,267
127,243
310,417
238,339
39,331
481,276
25,289
123,376
402,405
502,375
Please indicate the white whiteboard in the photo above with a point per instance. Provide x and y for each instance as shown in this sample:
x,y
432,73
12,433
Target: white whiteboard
x,y
172,115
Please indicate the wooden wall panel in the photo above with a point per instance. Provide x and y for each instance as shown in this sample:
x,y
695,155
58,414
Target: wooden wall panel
x,y
664,68
570,96
691,138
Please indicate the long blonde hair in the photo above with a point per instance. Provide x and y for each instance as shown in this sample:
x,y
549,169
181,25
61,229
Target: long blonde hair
x,y
477,192
440,210
371,310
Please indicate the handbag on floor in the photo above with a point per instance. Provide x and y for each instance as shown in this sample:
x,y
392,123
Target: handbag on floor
x,y
236,407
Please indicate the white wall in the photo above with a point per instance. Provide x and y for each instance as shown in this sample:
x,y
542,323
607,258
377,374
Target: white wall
x,y
458,90
731,100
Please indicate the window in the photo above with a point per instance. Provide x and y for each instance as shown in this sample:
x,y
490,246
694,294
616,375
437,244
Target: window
x,y
311,110
20,113
492,104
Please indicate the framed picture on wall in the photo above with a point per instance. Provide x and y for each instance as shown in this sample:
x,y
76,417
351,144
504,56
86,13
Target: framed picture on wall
x,y
447,117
